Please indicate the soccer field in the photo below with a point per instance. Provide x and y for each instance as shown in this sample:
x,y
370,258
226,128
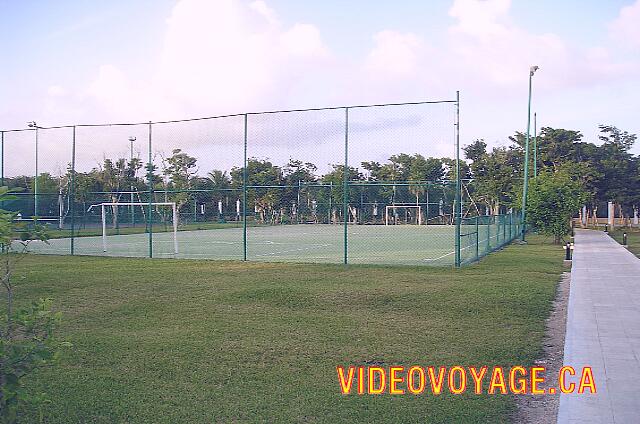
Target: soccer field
x,y
322,243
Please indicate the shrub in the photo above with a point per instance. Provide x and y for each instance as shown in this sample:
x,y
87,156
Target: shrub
x,y
552,201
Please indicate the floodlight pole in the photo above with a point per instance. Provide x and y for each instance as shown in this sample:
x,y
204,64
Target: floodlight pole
x,y
525,185
345,187
535,146
457,212
35,185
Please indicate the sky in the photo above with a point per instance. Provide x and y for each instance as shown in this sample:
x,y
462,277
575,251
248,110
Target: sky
x,y
77,62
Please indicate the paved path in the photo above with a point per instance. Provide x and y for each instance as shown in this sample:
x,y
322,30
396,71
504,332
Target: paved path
x,y
603,331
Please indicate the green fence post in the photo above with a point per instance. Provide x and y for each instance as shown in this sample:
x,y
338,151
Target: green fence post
x,y
35,181
458,207
150,206
489,220
477,238
244,193
345,189
511,226
72,194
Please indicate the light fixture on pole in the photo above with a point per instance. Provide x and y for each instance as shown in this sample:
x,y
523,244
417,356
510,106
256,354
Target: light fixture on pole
x,y
131,140
525,186
32,124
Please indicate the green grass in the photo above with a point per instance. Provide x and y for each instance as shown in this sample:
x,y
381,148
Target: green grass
x,y
633,238
168,341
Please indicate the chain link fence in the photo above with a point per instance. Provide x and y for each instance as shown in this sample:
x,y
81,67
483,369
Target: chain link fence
x,y
375,184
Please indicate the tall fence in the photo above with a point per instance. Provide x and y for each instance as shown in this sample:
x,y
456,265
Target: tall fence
x,y
356,184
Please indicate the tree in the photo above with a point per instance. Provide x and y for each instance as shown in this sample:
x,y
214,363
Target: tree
x,y
556,146
619,168
336,179
264,178
180,168
113,176
495,174
552,201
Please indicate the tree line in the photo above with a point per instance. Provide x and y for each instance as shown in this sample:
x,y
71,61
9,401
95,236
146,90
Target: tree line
x,y
605,171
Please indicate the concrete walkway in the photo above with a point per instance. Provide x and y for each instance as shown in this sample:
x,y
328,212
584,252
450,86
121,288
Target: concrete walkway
x,y
603,331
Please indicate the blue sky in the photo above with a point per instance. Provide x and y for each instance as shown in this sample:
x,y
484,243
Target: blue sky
x,y
83,62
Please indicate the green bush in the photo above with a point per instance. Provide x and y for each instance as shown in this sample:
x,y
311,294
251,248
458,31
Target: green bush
x,y
552,201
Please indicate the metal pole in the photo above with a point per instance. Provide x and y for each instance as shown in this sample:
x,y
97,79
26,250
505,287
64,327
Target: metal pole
x,y
477,238
35,182
426,213
535,146
504,229
525,185
345,188
175,229
330,200
104,228
489,220
149,207
72,194
298,205
133,211
458,207
244,193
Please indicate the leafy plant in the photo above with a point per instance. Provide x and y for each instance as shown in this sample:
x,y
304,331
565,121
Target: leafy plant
x,y
553,199
26,334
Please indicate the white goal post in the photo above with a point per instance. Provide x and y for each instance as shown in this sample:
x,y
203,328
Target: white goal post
x,y
116,204
389,208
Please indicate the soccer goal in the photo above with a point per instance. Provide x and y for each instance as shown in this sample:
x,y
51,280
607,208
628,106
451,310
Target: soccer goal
x,y
403,214
115,205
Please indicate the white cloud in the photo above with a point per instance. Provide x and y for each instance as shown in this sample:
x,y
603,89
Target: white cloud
x,y
395,54
304,40
499,53
482,18
487,42
626,27
216,57
269,14
227,56
56,91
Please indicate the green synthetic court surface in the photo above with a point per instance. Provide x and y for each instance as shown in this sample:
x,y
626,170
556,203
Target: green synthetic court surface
x,y
319,243
323,243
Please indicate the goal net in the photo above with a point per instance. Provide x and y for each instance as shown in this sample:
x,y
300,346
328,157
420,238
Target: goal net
x,y
115,205
403,215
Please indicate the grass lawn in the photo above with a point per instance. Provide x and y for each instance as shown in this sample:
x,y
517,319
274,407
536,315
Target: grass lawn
x,y
172,341
633,238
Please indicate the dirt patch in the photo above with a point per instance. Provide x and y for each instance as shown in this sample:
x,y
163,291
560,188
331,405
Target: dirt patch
x,y
543,409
